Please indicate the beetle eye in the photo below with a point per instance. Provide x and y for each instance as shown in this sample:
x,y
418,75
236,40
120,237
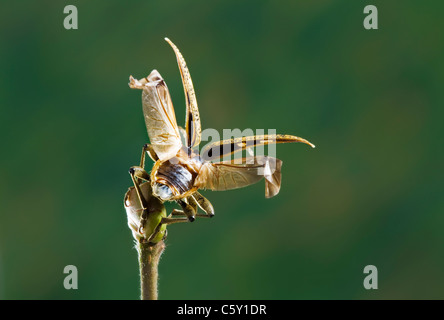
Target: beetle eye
x,y
162,191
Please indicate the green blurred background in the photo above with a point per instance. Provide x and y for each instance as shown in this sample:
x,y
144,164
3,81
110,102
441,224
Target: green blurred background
x,y
370,193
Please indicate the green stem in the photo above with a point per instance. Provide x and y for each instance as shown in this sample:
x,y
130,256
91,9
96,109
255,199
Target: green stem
x,y
149,256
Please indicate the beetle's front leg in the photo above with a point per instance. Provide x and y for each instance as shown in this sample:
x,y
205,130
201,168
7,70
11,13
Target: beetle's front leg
x,y
139,173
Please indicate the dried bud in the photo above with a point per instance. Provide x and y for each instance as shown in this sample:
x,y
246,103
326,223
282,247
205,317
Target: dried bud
x,y
144,227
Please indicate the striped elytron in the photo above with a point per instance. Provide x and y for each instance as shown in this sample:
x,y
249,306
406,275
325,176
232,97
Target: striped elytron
x,y
179,171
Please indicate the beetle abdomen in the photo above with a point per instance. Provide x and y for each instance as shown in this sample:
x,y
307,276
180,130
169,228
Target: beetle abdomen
x,y
177,176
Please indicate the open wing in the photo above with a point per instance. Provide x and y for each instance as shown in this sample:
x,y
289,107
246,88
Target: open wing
x,y
217,150
226,175
159,115
192,120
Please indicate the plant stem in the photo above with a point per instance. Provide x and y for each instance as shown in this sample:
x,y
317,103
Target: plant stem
x,y
149,256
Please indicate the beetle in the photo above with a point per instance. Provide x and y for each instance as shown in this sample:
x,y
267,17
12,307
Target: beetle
x,y
179,170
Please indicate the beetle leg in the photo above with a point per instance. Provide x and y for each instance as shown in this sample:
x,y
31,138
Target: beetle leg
x,y
147,148
180,213
166,221
171,220
140,173
187,209
190,200
204,204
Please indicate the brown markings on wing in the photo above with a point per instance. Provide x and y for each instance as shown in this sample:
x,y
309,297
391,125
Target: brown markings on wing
x,y
192,120
223,148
